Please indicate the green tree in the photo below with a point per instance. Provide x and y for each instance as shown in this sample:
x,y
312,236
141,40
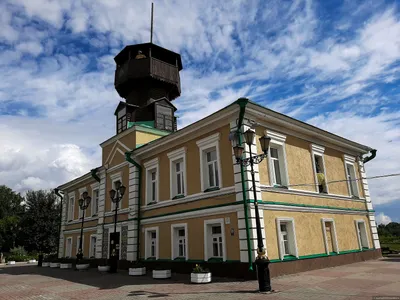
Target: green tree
x,y
41,221
11,211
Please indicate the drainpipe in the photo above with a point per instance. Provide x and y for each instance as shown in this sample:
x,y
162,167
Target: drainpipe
x,y
368,158
242,103
57,192
129,159
93,172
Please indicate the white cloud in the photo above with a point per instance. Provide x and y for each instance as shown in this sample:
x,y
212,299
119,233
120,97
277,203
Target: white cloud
x,y
33,48
381,218
273,51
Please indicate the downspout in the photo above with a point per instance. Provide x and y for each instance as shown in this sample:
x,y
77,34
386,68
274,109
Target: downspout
x,y
57,192
242,103
129,159
368,158
93,172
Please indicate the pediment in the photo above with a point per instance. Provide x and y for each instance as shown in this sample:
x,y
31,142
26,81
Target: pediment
x,y
117,154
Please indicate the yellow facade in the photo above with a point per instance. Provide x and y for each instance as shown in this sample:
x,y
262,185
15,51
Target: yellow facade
x,y
309,231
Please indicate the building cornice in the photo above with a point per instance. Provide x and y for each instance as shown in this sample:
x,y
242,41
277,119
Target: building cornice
x,y
267,115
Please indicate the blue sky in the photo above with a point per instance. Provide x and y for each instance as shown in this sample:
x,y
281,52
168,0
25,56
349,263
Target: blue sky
x,y
334,64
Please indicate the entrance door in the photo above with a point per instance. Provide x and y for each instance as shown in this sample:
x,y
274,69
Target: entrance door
x,y
329,236
362,234
114,244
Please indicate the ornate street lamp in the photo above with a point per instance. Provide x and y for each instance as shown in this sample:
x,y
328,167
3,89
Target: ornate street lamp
x,y
116,197
83,204
262,261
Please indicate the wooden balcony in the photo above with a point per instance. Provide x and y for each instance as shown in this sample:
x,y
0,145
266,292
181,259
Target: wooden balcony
x,y
147,67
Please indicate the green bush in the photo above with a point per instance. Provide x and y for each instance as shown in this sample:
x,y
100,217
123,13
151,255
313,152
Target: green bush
x,y
16,258
19,251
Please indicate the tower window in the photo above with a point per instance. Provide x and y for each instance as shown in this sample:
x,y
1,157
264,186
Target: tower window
x,y
164,117
121,120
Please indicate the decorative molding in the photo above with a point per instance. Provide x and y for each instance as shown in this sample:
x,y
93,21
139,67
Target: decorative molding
x,y
293,242
116,175
294,208
146,242
276,138
359,237
317,149
177,153
116,167
207,224
349,159
335,245
174,239
204,144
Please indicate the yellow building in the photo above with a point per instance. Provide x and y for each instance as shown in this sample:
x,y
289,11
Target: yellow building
x,y
188,201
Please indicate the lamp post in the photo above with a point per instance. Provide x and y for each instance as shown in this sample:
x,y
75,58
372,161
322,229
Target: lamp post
x,y
262,261
116,197
83,204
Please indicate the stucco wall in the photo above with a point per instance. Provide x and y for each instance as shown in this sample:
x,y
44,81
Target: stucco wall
x,y
145,137
75,236
195,241
193,165
309,234
335,170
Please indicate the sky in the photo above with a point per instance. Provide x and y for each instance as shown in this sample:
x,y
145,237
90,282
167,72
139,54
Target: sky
x,y
333,64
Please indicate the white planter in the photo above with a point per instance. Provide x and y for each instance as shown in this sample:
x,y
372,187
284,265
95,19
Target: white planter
x,y
11,262
200,277
65,266
103,268
137,271
32,261
54,265
161,274
45,264
82,266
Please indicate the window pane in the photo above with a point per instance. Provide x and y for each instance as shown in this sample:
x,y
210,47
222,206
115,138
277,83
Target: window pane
x,y
153,191
274,152
178,166
153,234
283,227
216,174
211,156
181,232
277,170
211,175
216,229
179,186
215,249
286,247
153,175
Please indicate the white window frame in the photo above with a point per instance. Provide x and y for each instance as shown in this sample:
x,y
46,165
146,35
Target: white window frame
x,y
278,141
204,145
359,234
317,150
83,244
207,238
175,240
95,187
291,230
80,211
91,245
333,228
149,167
147,241
174,156
68,253
71,207
351,161
114,178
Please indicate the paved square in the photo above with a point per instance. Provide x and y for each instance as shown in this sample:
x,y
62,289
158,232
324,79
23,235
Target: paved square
x,y
356,281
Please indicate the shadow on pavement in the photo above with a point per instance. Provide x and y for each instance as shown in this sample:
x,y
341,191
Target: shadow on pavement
x,y
94,278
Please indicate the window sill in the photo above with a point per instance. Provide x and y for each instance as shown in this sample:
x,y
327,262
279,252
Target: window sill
x,y
180,259
151,258
365,248
216,188
289,257
215,259
153,202
178,197
280,187
333,253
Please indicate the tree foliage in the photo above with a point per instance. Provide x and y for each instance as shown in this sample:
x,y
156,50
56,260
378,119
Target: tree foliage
x,y
32,223
11,212
41,221
389,233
